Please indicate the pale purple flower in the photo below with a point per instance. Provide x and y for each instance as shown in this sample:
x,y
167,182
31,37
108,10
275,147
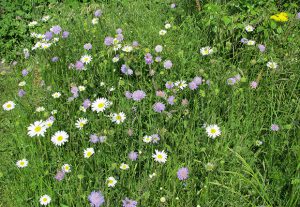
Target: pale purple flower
x,y
160,94
197,80
108,41
119,31
88,46
128,95
65,34
158,59
24,72
74,91
133,155
173,6
168,64
96,199
86,103
48,35
60,175
169,85
21,93
253,84
159,107
126,70
54,59
120,37
135,44
129,203
158,48
138,95
94,138
193,85
244,40
183,173
274,127
79,65
171,100
148,59
261,48
231,81
98,13
56,29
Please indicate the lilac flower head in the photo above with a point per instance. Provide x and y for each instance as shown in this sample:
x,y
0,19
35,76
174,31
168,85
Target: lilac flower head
x,y
133,155
51,118
120,37
54,59
24,72
231,81
56,29
158,59
138,95
96,199
86,103
274,127
126,70
169,85
168,64
183,173
98,13
244,40
74,91
129,203
88,46
21,93
65,34
108,41
119,31
128,95
261,48
60,175
193,85
171,100
155,138
197,80
159,107
48,35
148,59
79,65
94,138
253,84
135,44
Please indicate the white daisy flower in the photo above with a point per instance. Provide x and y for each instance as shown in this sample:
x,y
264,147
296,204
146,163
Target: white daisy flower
x,y
102,83
40,109
272,65
59,138
88,152
22,83
55,39
56,95
45,200
147,139
168,26
54,112
115,41
81,122
81,108
86,59
124,166
111,182
213,131
160,156
117,47
118,117
100,104
32,24
45,45
115,59
95,21
158,48
40,36
22,163
251,42
66,168
81,88
249,28
48,123
206,51
9,105
45,18
38,128
127,48
181,84
162,32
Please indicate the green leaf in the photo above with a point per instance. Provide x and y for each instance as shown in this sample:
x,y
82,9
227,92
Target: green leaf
x,y
227,20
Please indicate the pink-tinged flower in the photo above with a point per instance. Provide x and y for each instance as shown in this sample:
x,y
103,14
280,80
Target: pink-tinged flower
x,y
148,59
171,100
108,41
65,34
168,64
159,107
183,173
133,155
129,203
274,127
79,65
253,84
96,199
169,85
197,80
128,95
60,175
138,95
193,85
88,46
74,91
130,132
184,102
160,94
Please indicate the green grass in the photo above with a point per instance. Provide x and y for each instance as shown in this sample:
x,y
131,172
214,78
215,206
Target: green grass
x,y
244,174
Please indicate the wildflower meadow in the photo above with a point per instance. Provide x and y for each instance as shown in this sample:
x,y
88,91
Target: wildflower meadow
x,y
139,103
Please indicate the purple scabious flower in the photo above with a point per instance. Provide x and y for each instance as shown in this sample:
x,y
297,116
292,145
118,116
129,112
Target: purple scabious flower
x,y
168,64
159,107
244,40
253,84
119,31
155,138
158,59
88,46
120,37
138,95
86,103
54,59
231,81
128,95
51,118
274,127
171,100
98,13
133,155
65,34
94,138
21,93
135,44
197,80
108,41
126,70
129,203
169,85
148,59
24,72
183,173
261,48
193,85
96,199
79,65
60,175
56,29
74,91
48,35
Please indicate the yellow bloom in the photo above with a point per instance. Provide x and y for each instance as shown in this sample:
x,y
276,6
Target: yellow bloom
x,y
281,17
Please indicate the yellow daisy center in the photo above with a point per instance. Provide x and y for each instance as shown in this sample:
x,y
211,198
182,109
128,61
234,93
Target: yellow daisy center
x,y
37,128
159,156
45,199
8,105
89,154
60,138
22,163
118,117
110,182
81,124
101,105
213,131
